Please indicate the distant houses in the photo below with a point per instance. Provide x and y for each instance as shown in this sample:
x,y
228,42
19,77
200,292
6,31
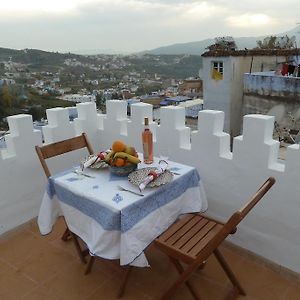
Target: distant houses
x,y
226,88
78,98
7,81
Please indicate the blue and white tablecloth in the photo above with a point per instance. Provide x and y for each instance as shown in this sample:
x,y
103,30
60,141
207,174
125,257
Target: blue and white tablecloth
x,y
117,224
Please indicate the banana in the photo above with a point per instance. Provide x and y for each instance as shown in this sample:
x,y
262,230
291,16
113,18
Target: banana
x,y
130,158
108,156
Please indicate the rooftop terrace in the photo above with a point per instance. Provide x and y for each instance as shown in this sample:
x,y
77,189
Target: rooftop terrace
x,y
271,230
48,268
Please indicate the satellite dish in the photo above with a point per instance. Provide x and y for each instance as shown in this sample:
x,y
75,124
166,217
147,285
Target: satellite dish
x,y
278,111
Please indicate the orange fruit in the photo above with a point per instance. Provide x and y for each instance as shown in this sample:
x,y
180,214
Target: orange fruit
x,y
119,162
118,146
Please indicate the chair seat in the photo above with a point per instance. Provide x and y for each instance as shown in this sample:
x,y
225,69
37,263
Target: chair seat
x,y
186,238
194,238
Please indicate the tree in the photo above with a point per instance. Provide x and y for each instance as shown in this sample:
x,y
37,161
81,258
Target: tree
x,y
6,97
100,102
223,43
36,113
277,42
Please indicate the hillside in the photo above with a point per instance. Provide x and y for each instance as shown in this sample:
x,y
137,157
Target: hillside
x,y
198,47
37,59
171,66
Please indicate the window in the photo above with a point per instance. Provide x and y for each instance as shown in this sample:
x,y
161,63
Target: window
x,y
217,70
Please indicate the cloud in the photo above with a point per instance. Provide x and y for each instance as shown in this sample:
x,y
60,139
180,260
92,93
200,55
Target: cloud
x,y
133,25
247,20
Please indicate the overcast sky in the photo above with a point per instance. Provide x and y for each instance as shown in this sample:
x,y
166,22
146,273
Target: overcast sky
x,y
135,25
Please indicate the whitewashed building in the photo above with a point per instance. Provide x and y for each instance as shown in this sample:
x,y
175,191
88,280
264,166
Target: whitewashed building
x,y
78,98
223,79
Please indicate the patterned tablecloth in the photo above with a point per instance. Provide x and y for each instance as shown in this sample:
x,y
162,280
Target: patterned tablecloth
x,y
117,224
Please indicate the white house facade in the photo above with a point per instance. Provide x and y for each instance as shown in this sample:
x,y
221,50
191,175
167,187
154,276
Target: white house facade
x,y
223,79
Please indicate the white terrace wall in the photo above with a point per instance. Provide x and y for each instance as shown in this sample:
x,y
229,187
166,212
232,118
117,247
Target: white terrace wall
x,y
271,230
263,91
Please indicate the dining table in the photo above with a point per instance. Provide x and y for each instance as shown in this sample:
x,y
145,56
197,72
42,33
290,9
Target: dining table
x,y
112,216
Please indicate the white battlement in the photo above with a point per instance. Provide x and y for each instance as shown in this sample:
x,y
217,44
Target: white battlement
x,y
272,228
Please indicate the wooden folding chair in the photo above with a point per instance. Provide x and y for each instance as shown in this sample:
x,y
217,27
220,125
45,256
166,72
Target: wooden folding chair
x,y
194,238
56,149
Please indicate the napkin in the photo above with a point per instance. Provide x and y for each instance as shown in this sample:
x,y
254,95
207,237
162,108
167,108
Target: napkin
x,y
92,160
95,158
162,166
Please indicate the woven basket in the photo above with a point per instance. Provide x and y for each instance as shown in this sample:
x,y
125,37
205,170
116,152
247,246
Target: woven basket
x,y
122,171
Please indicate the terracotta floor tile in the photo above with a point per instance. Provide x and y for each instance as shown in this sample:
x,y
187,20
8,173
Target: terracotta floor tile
x,y
207,289
260,282
13,285
54,237
19,247
67,246
213,269
109,290
6,267
108,267
293,292
47,261
71,283
152,280
247,297
56,233
33,267
41,293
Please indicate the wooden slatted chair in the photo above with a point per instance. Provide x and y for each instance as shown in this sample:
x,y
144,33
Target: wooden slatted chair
x,y
56,149
195,237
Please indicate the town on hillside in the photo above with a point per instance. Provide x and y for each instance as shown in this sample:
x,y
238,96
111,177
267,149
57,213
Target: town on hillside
x,y
263,80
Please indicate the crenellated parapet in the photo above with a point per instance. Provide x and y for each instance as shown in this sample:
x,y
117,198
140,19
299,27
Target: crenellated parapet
x,y
210,139
230,173
256,147
88,122
20,173
114,123
172,135
59,126
135,125
22,137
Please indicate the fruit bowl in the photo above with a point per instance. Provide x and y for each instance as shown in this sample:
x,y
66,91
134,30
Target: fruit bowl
x,y
123,171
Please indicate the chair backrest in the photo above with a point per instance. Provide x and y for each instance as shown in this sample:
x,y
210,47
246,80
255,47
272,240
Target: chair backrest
x,y
239,215
230,226
62,147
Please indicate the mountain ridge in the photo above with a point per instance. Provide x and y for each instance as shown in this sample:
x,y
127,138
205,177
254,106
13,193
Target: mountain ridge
x,y
199,47
189,48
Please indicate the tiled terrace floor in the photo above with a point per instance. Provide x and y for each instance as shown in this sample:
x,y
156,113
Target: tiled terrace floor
x,y
33,267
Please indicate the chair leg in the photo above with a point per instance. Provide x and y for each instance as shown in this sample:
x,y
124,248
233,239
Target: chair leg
x,y
180,270
67,235
90,265
78,248
229,272
233,294
185,275
124,282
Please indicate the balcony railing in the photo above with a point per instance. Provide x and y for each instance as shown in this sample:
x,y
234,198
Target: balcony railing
x,y
271,230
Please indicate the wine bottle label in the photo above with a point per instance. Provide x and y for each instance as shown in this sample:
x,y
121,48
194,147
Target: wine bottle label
x,y
146,151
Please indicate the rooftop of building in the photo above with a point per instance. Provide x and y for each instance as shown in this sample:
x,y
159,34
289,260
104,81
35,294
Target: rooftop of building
x,y
251,52
46,267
